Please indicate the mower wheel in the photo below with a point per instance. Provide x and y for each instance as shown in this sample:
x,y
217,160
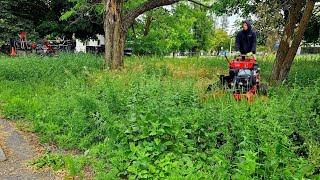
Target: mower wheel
x,y
263,90
224,82
210,88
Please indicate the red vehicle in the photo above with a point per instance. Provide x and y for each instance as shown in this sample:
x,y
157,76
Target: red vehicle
x,y
243,78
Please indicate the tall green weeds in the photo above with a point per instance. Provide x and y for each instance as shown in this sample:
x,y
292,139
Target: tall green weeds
x,y
151,121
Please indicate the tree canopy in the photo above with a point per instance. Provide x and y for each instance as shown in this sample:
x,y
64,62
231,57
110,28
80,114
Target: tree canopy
x,y
16,18
312,34
182,28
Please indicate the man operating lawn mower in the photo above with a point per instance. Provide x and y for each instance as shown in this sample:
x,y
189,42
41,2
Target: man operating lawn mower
x,y
246,43
244,79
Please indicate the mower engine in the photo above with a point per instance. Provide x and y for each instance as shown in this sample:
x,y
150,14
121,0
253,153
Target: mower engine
x,y
243,77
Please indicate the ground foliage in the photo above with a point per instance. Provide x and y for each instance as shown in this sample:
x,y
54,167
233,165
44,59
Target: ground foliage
x,y
153,120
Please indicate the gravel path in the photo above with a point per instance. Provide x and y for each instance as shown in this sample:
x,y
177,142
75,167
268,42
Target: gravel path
x,y
18,152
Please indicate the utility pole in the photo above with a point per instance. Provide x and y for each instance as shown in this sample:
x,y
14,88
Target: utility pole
x,y
231,37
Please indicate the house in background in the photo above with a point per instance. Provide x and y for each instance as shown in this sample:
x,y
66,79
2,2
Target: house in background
x,y
96,46
90,45
310,49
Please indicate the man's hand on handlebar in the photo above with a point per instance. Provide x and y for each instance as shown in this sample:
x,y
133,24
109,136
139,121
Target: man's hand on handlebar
x,y
238,53
249,54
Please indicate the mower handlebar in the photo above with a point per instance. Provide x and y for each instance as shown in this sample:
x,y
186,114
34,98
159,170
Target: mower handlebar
x,y
235,57
227,59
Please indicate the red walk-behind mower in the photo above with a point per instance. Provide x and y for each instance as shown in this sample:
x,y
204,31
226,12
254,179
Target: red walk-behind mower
x,y
243,79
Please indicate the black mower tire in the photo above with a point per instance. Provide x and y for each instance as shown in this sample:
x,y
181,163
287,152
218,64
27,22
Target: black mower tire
x,y
210,88
224,82
221,84
263,90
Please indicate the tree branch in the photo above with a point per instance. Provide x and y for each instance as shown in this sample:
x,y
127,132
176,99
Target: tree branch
x,y
198,3
150,5
147,6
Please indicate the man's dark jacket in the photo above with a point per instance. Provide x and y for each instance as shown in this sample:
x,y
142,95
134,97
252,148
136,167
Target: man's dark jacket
x,y
246,40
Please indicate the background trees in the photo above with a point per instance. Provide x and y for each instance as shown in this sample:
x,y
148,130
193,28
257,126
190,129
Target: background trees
x,y
182,28
16,17
312,34
220,39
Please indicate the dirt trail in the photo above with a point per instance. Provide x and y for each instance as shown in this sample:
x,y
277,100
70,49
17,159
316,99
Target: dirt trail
x,y
18,152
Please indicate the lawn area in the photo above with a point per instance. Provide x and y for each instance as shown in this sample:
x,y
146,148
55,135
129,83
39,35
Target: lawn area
x,y
154,120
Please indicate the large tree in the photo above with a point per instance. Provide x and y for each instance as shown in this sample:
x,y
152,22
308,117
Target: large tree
x,y
119,15
291,38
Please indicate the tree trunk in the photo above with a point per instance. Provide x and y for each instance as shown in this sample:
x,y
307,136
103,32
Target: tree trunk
x,y
134,31
286,39
297,40
115,34
290,41
148,25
